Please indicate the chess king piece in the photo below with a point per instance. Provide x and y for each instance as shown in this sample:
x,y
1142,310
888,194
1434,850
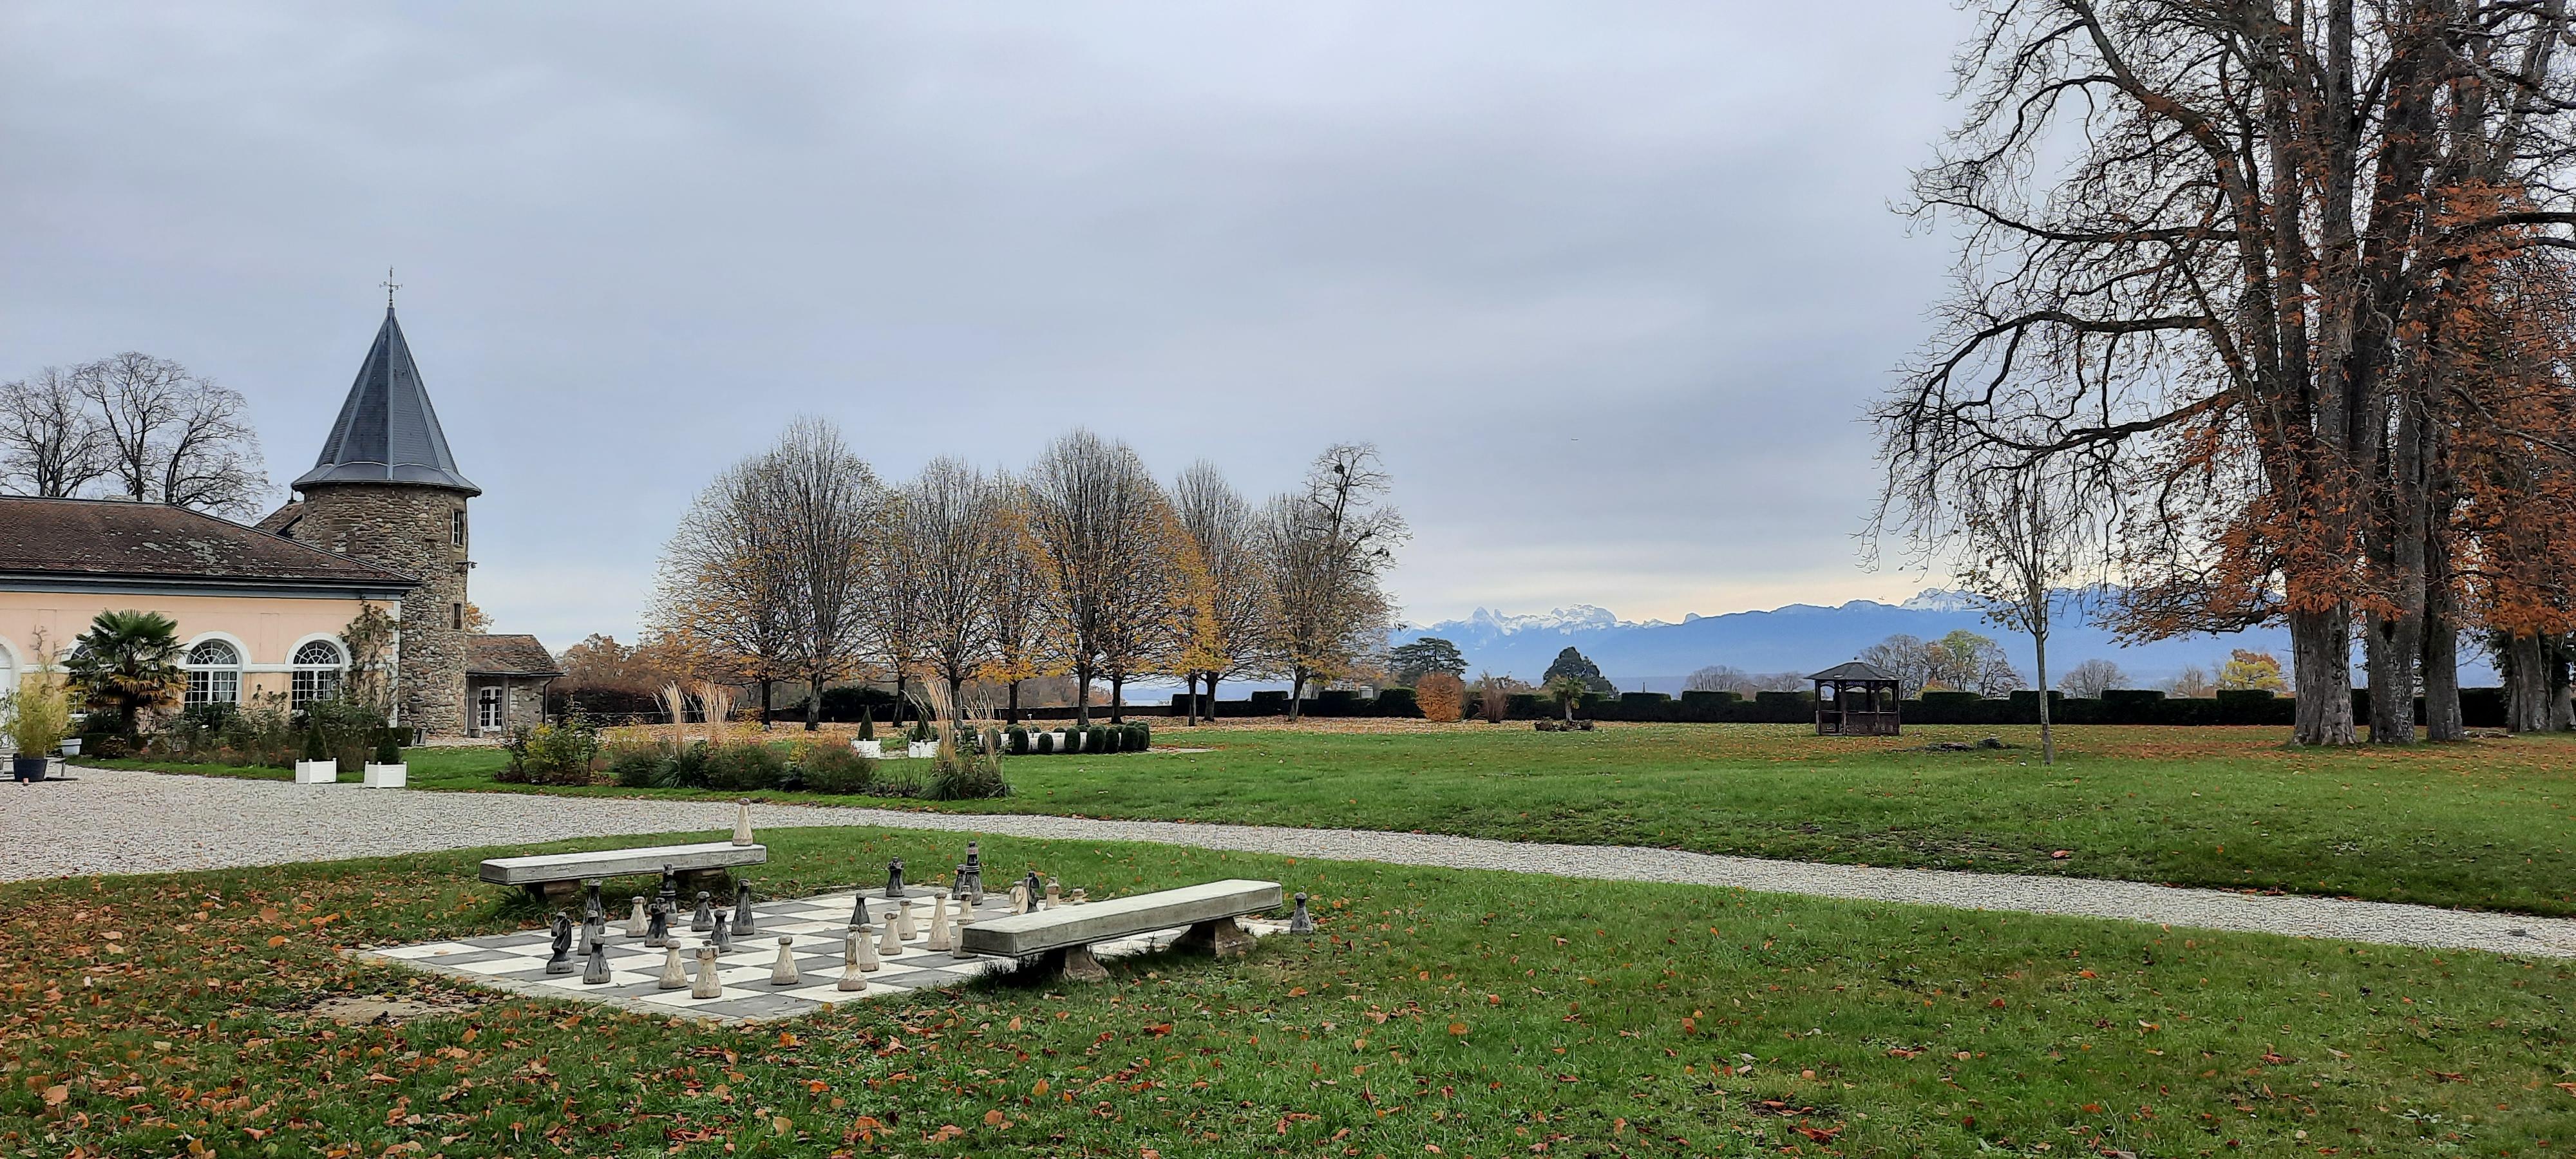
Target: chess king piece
x,y
894,878
636,923
783,972
591,910
859,912
938,933
890,937
742,921
723,935
742,821
706,916
867,950
561,962
657,924
674,975
706,984
853,979
1300,921
595,971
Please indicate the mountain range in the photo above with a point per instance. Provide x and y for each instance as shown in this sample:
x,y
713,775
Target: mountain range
x,y
1657,655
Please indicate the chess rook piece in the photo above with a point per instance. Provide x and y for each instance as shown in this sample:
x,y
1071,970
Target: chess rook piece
x,y
890,937
867,951
894,878
783,972
674,975
742,921
657,924
853,979
636,924
1300,921
859,912
723,935
937,938
706,916
591,910
1054,894
971,878
561,962
742,821
595,971
706,985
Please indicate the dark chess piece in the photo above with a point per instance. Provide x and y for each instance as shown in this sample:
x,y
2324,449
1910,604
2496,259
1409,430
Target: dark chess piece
x,y
742,920
657,923
894,878
670,890
1036,888
561,962
970,876
706,916
723,935
595,971
1299,921
859,912
591,909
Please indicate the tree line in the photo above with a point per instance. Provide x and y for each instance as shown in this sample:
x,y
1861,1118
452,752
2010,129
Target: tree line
x,y
2265,314
799,564
131,426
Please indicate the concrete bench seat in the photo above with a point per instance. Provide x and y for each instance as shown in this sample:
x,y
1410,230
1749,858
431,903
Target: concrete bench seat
x,y
1062,937
561,873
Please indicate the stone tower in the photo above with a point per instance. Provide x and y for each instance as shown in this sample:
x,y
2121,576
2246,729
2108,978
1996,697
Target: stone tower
x,y
386,490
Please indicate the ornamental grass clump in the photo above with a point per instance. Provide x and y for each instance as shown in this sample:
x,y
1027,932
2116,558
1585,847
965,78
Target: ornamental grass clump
x,y
835,769
745,767
957,774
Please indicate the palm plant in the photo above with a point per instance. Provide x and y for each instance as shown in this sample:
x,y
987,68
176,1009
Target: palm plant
x,y
127,664
1568,691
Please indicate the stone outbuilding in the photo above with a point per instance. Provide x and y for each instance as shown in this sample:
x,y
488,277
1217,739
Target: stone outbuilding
x,y
505,683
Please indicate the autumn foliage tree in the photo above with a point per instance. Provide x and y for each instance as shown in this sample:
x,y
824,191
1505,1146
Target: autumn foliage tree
x,y
1442,696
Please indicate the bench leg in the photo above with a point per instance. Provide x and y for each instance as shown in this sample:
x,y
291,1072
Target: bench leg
x,y
1222,937
1074,963
547,892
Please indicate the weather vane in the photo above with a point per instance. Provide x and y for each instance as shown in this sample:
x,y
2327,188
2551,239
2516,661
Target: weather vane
x,y
390,286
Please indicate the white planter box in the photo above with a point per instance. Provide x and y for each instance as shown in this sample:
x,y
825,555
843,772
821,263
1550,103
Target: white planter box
x,y
872,749
317,772
921,748
387,776
71,746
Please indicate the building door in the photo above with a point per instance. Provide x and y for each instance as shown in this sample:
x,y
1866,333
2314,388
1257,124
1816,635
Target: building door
x,y
488,711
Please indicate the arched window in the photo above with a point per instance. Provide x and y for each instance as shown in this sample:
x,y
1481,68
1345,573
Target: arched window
x,y
318,664
214,673
8,669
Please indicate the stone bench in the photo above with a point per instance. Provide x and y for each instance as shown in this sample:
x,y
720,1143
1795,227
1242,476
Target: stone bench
x,y
1062,937
555,874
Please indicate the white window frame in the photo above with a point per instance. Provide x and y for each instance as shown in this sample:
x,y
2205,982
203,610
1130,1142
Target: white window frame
x,y
491,708
212,682
315,681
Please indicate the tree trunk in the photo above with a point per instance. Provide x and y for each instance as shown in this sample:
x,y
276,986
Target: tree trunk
x,y
902,704
1117,697
1015,702
2390,646
1211,695
956,707
1190,689
814,702
2321,663
2441,639
2047,739
2562,711
765,683
1082,695
1297,693
2526,685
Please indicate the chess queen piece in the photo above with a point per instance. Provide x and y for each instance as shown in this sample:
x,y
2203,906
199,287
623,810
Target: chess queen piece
x,y
742,821
636,923
657,924
742,920
894,878
675,976
1300,921
561,962
723,935
595,971
937,938
890,936
591,909
783,972
706,916
853,977
706,984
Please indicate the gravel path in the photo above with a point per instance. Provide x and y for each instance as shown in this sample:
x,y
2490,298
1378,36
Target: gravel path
x,y
121,821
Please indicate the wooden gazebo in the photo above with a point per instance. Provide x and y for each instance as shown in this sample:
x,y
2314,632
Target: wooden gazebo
x,y
1863,702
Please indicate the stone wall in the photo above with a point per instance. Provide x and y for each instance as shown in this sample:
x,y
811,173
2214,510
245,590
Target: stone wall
x,y
408,529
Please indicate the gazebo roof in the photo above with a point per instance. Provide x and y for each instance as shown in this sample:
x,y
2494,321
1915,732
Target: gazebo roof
x,y
1853,671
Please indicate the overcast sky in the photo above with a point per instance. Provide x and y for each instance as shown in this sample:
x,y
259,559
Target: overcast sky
x,y
1607,283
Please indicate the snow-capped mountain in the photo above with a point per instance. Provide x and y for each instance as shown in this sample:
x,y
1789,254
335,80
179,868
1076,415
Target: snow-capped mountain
x,y
1580,617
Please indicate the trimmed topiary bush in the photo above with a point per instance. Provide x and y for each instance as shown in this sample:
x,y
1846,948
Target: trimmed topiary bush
x,y
1046,742
1018,741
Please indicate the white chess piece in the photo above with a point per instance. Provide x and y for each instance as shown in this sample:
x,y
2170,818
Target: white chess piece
x,y
784,972
742,821
868,960
636,923
904,927
890,940
706,985
960,951
1054,895
938,935
852,980
674,975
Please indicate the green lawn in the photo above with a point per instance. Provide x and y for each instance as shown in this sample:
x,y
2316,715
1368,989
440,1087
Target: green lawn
x,y
2487,824
1448,1012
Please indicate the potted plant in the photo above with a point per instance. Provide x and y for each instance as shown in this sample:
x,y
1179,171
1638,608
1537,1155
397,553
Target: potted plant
x,y
387,771
38,715
316,766
868,745
923,744
71,746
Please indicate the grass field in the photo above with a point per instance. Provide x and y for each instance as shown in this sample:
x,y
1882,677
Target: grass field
x,y
1440,1012
2487,824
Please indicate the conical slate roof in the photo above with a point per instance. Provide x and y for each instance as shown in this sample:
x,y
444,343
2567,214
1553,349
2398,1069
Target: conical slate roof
x,y
387,431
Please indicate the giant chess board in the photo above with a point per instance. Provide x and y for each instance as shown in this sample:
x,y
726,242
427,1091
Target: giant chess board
x,y
516,962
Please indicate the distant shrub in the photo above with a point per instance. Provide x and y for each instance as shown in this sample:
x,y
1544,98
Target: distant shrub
x,y
745,767
958,775
1441,696
548,754
831,768
1018,742
643,766
1046,742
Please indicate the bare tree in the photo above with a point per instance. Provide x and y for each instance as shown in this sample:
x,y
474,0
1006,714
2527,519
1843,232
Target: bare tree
x,y
824,497
2090,679
49,443
1719,678
1021,595
1092,509
951,524
1326,549
1145,628
2025,541
169,436
1906,658
1233,612
728,589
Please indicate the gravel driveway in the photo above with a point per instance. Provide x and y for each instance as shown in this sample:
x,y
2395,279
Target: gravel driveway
x,y
122,821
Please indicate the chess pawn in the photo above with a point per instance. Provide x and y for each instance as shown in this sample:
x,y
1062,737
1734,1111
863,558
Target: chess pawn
x,y
890,936
742,921
706,984
1054,894
723,935
561,962
904,929
852,978
938,939
595,972
783,973
867,951
1077,897
706,916
1300,921
636,923
742,821
674,975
